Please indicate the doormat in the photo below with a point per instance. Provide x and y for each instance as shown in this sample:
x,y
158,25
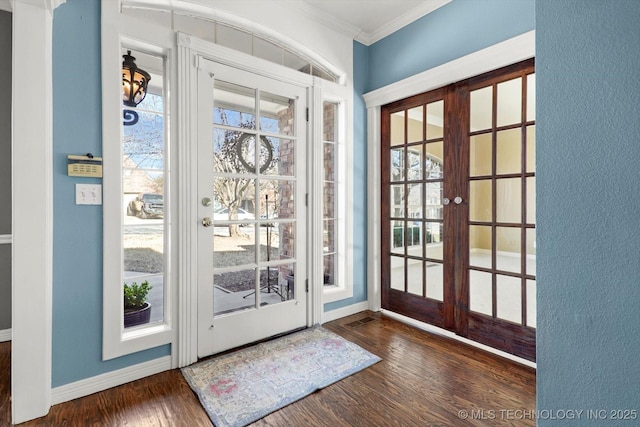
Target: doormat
x,y
239,388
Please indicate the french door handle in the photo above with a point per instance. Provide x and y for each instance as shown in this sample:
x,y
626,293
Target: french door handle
x,y
457,200
206,221
446,201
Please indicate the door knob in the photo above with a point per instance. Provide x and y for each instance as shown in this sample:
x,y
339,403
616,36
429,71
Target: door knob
x,y
457,200
446,201
206,221
206,201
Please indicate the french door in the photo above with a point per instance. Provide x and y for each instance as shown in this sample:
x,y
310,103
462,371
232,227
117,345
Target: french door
x,y
251,185
458,208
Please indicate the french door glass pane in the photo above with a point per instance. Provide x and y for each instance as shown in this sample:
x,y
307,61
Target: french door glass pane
x,y
235,291
531,251
276,114
414,200
433,162
415,125
435,120
531,97
433,200
414,276
277,241
397,128
508,151
480,292
435,280
509,109
531,303
434,239
397,164
531,200
414,163
480,208
480,246
509,298
234,105
481,102
397,237
509,200
508,244
397,201
531,148
396,265
277,156
480,155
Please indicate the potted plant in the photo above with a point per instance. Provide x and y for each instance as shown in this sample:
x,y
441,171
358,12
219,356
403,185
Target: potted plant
x,y
136,308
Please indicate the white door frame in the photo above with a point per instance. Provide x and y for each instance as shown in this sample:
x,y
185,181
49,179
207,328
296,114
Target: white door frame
x,y
32,230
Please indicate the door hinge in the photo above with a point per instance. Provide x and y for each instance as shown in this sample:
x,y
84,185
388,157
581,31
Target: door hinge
x,y
307,113
306,284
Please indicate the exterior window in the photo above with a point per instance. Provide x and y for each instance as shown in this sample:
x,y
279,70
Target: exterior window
x,y
143,198
329,197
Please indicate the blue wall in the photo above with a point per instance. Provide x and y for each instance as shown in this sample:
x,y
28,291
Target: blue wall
x,y
77,230
588,207
454,30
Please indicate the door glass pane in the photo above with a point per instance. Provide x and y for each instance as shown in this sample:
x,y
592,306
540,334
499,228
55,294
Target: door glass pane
x,y
509,200
234,290
508,249
480,155
397,128
276,284
480,244
415,126
435,280
435,120
481,102
397,164
414,276
277,241
277,156
277,114
397,272
531,200
480,200
434,238
480,292
414,200
414,163
233,199
234,105
414,239
531,251
231,251
531,303
508,152
397,201
509,102
531,148
433,200
509,298
531,97
397,237
434,166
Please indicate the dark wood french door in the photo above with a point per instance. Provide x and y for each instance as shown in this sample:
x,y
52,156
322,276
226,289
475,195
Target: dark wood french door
x,y
458,208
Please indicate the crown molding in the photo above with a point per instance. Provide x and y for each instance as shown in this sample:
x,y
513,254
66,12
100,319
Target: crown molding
x,y
325,18
401,21
49,5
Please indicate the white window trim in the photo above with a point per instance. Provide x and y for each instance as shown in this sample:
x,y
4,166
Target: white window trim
x,y
504,53
330,92
115,340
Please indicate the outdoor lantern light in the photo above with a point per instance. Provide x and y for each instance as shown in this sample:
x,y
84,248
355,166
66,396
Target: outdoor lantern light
x,y
134,87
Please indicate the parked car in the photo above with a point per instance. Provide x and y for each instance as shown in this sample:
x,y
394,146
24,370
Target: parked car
x,y
146,205
223,215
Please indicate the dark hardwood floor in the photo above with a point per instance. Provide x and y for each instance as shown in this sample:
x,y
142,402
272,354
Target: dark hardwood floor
x,y
422,380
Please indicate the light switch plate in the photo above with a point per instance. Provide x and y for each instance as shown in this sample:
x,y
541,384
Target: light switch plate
x,y
88,194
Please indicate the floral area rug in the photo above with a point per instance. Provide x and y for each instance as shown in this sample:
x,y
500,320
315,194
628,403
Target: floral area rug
x,y
239,388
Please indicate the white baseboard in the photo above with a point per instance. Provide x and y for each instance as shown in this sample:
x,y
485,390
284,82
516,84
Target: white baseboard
x,y
339,313
5,335
102,382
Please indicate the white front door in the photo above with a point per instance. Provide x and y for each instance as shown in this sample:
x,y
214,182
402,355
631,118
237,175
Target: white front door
x,y
252,137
